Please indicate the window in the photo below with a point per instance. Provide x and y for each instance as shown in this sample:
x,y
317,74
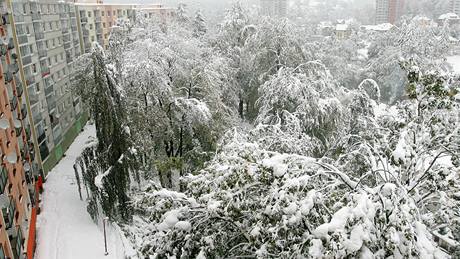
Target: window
x,y
89,14
103,24
56,59
109,13
92,38
90,26
34,68
110,24
102,13
27,30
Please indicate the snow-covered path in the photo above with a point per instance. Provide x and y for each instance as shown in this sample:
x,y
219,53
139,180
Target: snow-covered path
x,y
64,228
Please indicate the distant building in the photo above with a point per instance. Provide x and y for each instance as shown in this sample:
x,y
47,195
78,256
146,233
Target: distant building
x,y
455,6
342,31
383,27
274,7
450,18
388,11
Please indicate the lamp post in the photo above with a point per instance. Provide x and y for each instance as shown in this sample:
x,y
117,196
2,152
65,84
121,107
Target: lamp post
x,y
105,236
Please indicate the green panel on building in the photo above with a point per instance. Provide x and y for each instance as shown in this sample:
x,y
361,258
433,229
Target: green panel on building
x,y
58,152
68,139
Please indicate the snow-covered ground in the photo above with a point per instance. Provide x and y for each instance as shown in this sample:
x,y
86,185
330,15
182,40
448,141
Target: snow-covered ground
x,y
65,229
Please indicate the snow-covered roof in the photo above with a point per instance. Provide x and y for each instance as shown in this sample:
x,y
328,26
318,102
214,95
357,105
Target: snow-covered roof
x,y
341,27
379,27
421,18
448,16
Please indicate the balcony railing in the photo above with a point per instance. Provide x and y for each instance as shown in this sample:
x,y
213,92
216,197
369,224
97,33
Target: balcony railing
x,y
41,137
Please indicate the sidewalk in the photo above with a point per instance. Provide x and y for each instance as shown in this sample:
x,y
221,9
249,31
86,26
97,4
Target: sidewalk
x,y
64,227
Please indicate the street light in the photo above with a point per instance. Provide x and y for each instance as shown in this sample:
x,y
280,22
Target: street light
x,y
105,236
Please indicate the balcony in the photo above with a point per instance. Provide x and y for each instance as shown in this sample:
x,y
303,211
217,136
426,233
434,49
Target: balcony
x,y
37,117
45,71
19,18
14,103
36,17
30,79
23,112
42,53
39,35
8,77
51,106
33,98
8,214
3,179
84,20
49,90
13,68
19,90
23,39
41,137
26,60
44,151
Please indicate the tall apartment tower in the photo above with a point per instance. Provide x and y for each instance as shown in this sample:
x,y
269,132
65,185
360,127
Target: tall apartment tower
x,y
455,6
389,11
48,43
19,169
276,8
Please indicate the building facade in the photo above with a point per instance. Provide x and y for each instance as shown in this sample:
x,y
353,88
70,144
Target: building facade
x,y
39,114
274,8
455,6
389,11
48,45
19,170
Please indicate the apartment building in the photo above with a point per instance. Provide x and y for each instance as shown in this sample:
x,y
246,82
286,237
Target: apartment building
x,y
97,19
388,11
49,43
19,169
274,8
455,6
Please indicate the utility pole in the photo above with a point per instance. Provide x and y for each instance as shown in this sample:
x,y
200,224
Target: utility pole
x,y
78,179
105,235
